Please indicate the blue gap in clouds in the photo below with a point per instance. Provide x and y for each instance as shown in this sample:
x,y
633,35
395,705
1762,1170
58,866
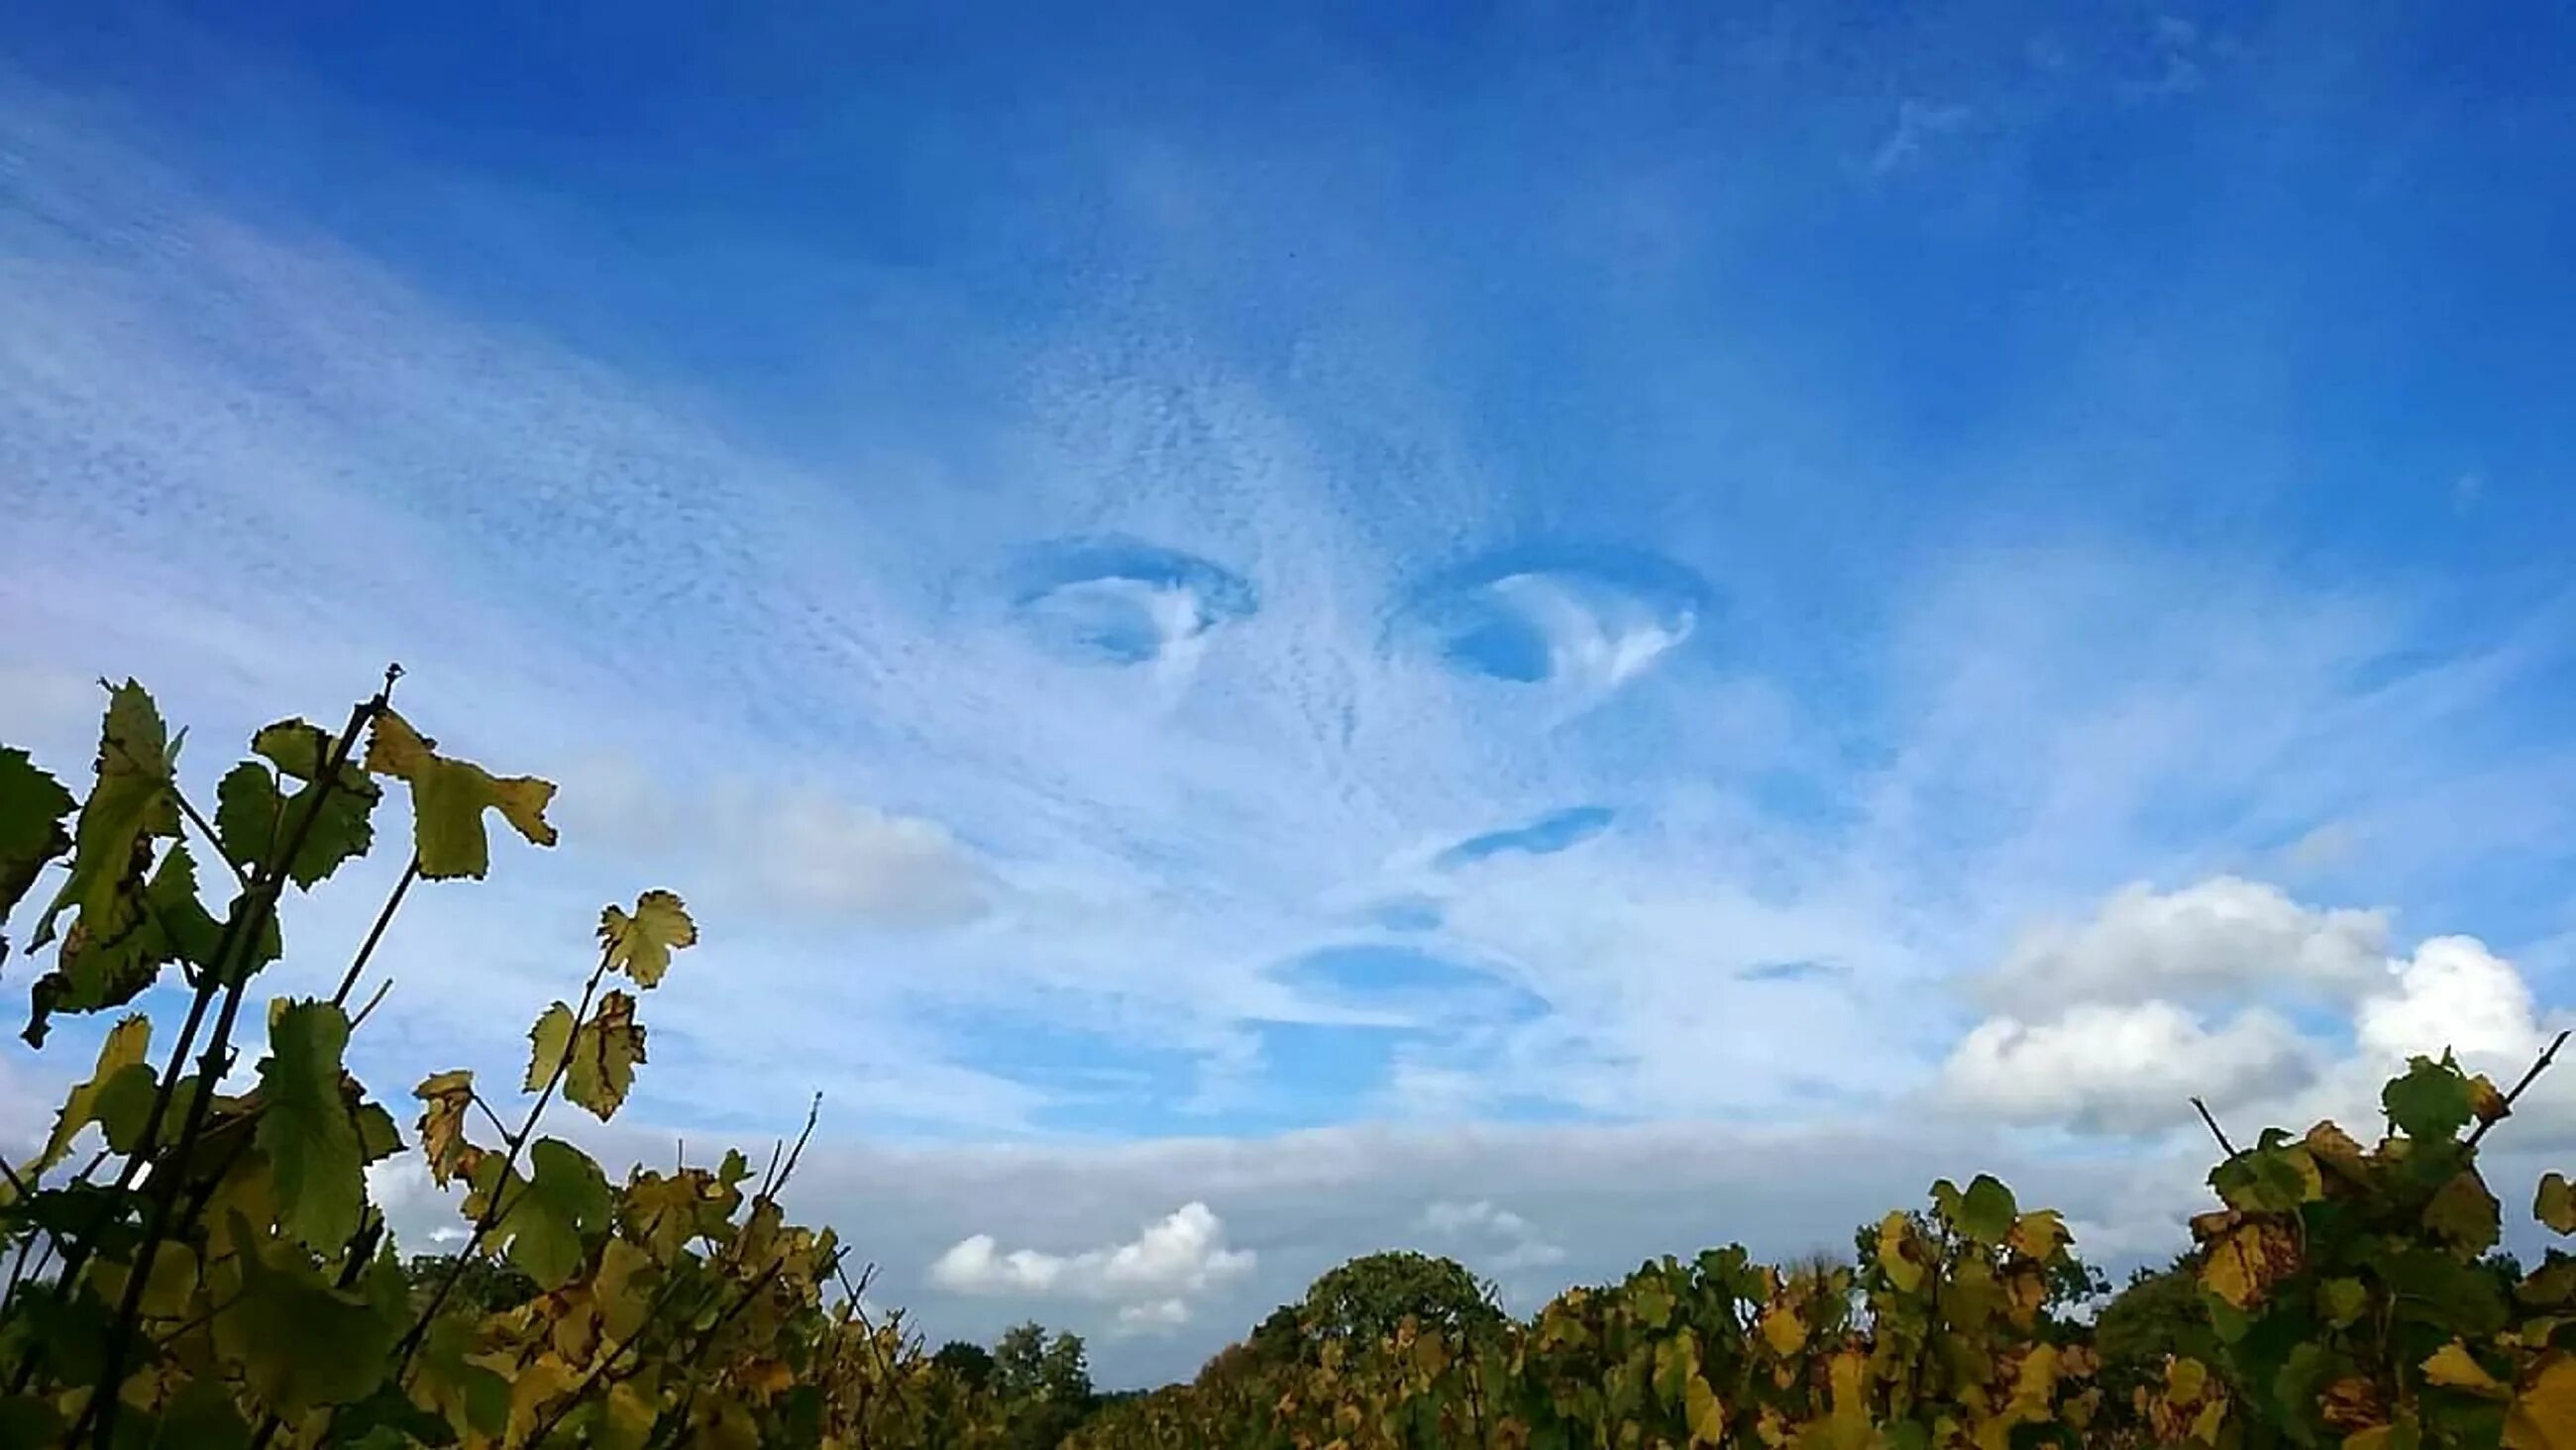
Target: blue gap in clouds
x,y
1556,831
1094,599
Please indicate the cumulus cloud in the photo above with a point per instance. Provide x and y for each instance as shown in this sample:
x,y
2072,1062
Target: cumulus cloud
x,y
2222,936
1152,1278
2121,1068
2157,998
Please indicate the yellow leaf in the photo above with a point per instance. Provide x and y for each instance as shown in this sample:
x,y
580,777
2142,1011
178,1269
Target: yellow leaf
x,y
641,945
2452,1366
536,1387
449,797
1706,1417
2543,1416
549,1043
124,1046
2247,1259
1895,1238
2485,1101
1783,1330
2039,1233
2555,1205
442,1122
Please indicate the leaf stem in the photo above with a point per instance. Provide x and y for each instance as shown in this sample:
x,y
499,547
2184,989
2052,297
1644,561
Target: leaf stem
x,y
260,903
492,1208
2530,1075
376,933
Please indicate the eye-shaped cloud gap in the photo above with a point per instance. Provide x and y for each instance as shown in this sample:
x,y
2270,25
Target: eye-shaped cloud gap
x,y
1401,986
1588,619
1545,836
1121,601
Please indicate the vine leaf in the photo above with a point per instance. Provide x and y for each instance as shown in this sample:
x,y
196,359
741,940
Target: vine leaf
x,y
442,1124
2543,1416
2431,1100
449,797
641,945
2463,1214
247,810
32,807
305,1129
549,1042
2452,1367
565,1197
604,1055
301,1342
125,1046
2555,1204
475,1400
344,828
107,955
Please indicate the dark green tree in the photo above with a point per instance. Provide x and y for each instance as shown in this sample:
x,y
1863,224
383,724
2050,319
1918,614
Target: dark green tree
x,y
1365,1299
1044,1382
971,1363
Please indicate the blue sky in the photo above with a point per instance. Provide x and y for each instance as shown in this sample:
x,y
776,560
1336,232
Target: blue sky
x,y
1470,586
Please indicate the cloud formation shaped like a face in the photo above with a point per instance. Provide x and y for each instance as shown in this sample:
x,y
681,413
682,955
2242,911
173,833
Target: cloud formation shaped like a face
x,y
1584,621
1120,601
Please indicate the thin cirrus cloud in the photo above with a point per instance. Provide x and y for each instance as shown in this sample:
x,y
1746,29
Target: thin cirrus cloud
x,y
1310,668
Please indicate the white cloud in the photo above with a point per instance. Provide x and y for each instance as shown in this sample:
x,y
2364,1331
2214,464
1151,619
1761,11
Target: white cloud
x,y
1493,1238
2126,1068
2224,936
2147,1004
1152,1277
2453,994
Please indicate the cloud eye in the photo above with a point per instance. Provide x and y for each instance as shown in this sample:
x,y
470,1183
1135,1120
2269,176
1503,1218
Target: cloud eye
x,y
1587,619
1118,601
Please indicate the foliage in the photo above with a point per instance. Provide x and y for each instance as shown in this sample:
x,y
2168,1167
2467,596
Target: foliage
x,y
218,1274
2341,1296
1364,1301
1043,1385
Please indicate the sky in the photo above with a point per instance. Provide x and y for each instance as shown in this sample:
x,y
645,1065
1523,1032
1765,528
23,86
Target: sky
x,y
1550,633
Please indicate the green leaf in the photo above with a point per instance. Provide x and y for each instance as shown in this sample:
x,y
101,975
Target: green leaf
x,y
29,1420
378,1138
111,951
247,811
566,1198
549,1042
32,807
202,1416
305,1129
301,1342
641,945
474,1399
185,929
604,1056
2268,1179
130,805
124,1047
449,798
344,827
125,1104
1986,1210
2342,1301
2429,1101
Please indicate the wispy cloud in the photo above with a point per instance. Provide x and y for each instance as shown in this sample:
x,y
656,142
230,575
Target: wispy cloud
x,y
1278,631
